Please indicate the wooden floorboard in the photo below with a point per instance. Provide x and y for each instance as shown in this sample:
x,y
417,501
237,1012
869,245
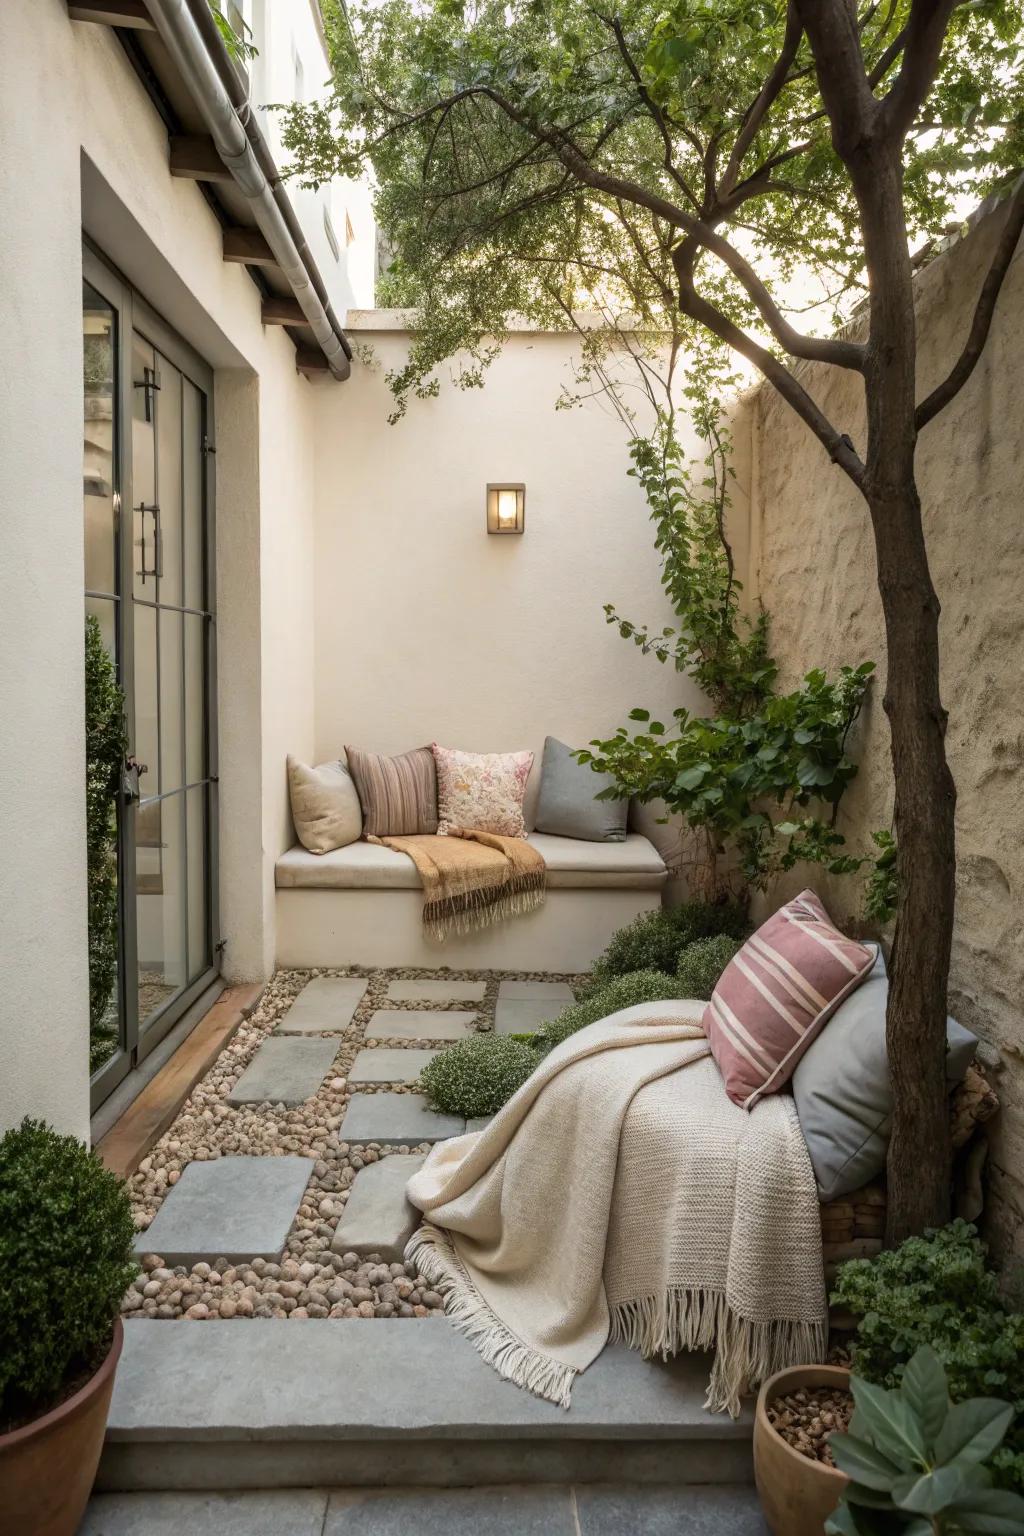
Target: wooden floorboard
x,y
145,1120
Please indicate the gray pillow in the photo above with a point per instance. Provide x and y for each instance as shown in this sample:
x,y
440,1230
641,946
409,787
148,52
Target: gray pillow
x,y
842,1092
566,806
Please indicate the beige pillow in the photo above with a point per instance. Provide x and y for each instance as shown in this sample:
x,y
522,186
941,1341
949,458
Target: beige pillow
x,y
325,805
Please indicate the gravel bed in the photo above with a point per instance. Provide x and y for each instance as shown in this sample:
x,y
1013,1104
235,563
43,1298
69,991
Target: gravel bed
x,y
310,1280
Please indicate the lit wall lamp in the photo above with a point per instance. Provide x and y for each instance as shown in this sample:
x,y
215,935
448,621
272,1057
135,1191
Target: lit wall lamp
x,y
506,508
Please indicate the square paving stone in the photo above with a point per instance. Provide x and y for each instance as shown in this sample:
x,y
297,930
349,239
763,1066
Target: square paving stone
x,y
397,1120
522,1015
389,1065
326,1003
536,991
440,990
510,1511
685,1511
232,1207
480,1124
420,1024
268,1512
284,1071
378,1218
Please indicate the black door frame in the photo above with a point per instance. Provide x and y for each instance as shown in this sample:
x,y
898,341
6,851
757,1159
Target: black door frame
x,y
134,314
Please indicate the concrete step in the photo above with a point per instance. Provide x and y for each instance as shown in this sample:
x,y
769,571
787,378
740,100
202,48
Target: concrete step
x,y
270,1403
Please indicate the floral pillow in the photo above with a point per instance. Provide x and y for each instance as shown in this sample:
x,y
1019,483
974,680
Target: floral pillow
x,y
481,791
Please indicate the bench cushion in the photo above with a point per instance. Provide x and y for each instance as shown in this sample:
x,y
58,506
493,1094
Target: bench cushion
x,y
572,864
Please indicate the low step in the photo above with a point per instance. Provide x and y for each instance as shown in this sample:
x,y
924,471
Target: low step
x,y
396,1120
393,1065
272,1403
378,1218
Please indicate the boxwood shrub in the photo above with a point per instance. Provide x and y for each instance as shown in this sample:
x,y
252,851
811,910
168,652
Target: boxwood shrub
x,y
66,1236
702,962
478,1075
654,941
621,992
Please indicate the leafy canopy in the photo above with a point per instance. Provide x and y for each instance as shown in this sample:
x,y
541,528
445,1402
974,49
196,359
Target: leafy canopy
x,y
542,157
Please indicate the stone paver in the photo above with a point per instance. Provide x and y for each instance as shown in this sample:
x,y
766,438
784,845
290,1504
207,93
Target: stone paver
x,y
396,1120
378,1218
389,1066
701,1511
536,991
522,1015
452,1512
232,1207
284,1071
265,1512
480,1124
326,1003
419,1024
438,991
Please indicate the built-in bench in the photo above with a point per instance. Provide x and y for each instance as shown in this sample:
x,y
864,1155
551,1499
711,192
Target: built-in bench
x,y
363,905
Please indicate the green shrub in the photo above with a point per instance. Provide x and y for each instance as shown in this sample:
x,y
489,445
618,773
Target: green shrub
x,y
622,992
66,1235
106,746
938,1290
478,1075
655,940
702,962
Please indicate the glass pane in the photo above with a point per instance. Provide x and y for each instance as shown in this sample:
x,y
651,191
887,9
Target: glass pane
x,y
198,937
144,518
195,721
172,756
192,492
168,481
159,902
98,335
104,611
146,746
103,712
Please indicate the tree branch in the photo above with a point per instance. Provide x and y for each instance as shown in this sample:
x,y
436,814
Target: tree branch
x,y
831,27
981,322
922,49
765,99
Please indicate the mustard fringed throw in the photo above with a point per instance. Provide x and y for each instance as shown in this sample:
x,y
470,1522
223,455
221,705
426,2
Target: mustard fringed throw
x,y
472,879
621,1194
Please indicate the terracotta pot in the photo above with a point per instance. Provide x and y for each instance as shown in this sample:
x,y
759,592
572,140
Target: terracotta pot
x,y
797,1494
47,1468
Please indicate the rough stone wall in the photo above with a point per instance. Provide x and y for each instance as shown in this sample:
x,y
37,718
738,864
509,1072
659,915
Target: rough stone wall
x,y
812,563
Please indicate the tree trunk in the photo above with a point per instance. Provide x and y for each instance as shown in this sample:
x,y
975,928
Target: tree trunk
x,y
919,1151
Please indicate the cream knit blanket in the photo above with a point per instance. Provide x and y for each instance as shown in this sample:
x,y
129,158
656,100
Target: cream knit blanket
x,y
621,1194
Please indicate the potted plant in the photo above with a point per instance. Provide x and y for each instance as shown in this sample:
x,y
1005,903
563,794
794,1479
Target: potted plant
x,y
66,1236
797,1480
915,1461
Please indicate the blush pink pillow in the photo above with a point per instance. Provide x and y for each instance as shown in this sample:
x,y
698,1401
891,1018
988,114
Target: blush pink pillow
x,y
777,994
481,791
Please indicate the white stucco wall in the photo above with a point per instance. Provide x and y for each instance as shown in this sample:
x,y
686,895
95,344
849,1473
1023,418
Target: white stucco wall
x,y
427,628
84,147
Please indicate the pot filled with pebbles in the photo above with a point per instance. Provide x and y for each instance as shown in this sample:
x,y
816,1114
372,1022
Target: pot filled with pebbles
x,y
798,1483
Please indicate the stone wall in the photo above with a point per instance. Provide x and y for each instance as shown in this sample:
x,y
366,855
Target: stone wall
x,y
812,563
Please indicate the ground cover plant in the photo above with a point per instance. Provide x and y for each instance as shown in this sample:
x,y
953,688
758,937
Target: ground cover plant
x,y
66,1236
678,163
938,1290
654,941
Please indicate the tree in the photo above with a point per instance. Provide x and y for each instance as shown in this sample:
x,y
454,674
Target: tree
x,y
682,161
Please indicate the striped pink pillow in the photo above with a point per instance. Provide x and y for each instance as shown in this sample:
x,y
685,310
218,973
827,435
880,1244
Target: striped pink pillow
x,y
776,995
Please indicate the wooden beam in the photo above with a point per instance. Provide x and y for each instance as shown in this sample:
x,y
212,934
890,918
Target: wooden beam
x,y
113,13
145,1120
195,157
248,246
278,311
310,362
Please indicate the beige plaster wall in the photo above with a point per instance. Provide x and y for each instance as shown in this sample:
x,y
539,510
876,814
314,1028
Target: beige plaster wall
x,y
813,565
427,628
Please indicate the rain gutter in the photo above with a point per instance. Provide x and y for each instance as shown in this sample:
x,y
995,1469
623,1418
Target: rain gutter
x,y
213,83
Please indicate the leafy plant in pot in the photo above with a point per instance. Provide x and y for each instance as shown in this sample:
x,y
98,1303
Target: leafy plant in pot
x,y
66,1235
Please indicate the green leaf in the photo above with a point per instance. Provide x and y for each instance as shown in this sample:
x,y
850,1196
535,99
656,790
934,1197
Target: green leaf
x,y
924,1387
862,1463
973,1430
989,1512
639,714
930,1492
889,1421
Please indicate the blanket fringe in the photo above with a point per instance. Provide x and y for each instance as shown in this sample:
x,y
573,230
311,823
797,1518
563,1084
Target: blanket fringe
x,y
745,1353
434,1256
478,907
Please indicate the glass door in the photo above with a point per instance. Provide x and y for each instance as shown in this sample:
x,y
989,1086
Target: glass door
x,y
152,598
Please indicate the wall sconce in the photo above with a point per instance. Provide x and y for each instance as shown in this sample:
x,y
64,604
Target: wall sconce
x,y
506,508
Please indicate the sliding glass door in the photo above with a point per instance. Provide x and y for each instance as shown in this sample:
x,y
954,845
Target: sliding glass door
x,y
149,602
